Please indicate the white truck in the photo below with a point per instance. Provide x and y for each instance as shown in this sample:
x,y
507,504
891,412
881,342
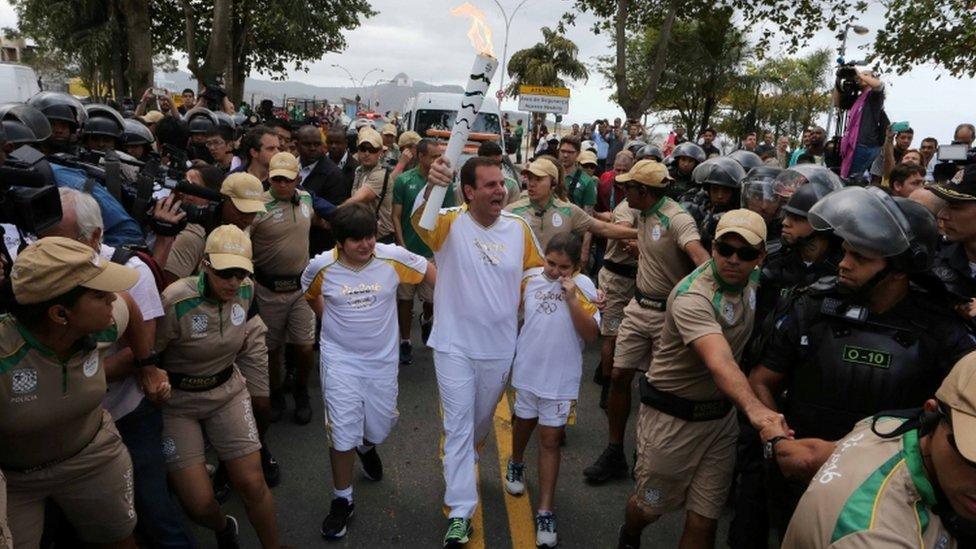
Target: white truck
x,y
18,83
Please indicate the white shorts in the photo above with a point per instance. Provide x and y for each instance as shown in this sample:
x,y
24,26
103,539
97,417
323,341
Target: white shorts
x,y
358,409
551,412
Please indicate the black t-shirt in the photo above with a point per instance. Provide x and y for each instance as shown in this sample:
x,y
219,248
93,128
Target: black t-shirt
x,y
871,133
710,150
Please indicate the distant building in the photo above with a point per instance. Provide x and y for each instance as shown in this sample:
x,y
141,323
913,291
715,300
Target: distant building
x,y
12,50
402,80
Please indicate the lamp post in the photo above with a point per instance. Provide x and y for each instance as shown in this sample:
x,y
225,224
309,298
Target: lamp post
x,y
841,52
508,23
360,86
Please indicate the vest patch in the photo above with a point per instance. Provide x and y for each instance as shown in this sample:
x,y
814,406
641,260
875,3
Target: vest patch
x,y
867,357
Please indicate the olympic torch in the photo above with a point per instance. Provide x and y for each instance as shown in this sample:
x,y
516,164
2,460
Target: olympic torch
x,y
479,80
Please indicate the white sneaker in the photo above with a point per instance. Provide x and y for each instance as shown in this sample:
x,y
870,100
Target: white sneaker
x,y
545,530
515,478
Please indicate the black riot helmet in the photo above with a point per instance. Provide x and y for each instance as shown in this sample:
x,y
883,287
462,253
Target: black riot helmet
x,y
875,224
811,185
747,159
719,170
103,120
635,146
226,126
759,185
689,150
60,106
650,151
17,134
29,118
136,133
201,120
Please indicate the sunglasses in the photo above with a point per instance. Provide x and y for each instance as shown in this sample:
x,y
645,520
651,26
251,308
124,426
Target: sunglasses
x,y
367,149
227,274
745,253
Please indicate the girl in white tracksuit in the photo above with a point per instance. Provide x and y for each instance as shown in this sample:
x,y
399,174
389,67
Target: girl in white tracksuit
x,y
560,316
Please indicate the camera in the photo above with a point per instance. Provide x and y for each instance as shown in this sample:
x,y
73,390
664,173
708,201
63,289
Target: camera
x,y
848,85
951,158
29,197
213,93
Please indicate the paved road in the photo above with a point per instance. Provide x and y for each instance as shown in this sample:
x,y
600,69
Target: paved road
x,y
405,508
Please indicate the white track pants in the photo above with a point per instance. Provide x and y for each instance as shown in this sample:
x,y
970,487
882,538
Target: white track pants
x,y
470,389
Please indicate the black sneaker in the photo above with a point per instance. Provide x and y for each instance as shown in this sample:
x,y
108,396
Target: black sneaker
x,y
626,542
458,533
406,353
334,525
303,409
610,464
278,406
272,471
426,325
372,466
221,483
598,376
227,538
288,384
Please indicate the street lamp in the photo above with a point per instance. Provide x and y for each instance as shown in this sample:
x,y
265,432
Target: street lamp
x,y
508,23
361,86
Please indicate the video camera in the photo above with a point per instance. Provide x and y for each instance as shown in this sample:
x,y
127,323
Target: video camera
x,y
214,94
29,198
847,83
951,158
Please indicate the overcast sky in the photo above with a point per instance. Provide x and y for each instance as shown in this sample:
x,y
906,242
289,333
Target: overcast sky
x,y
422,39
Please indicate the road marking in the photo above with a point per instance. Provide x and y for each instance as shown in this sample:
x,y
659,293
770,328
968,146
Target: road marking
x,y
521,523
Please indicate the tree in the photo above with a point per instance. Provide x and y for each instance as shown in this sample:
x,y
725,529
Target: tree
x,y
547,63
232,38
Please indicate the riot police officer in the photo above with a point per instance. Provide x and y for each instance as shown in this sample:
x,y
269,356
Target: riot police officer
x,y
23,124
103,128
849,347
65,114
137,139
683,161
747,159
719,179
764,194
202,123
954,264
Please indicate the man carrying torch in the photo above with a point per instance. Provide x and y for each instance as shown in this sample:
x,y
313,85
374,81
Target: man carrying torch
x,y
481,253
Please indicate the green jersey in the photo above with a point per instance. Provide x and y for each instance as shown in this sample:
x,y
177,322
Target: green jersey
x,y
581,189
405,190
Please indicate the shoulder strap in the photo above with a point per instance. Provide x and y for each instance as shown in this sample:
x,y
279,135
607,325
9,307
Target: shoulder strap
x,y
574,183
386,180
122,255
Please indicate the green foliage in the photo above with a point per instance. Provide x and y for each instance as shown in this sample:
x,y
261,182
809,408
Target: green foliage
x,y
547,63
940,32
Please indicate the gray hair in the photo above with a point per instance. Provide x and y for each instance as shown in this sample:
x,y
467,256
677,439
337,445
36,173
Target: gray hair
x,y
87,212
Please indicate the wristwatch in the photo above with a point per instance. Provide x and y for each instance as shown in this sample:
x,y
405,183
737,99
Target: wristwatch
x,y
151,360
769,448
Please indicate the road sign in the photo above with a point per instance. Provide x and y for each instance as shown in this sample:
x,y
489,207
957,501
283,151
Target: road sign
x,y
543,99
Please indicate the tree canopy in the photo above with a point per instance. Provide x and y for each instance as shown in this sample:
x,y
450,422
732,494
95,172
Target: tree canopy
x,y
547,63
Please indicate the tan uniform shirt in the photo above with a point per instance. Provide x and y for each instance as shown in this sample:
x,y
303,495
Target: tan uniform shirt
x,y
50,410
279,235
872,492
199,336
623,213
557,217
662,234
698,306
376,178
187,252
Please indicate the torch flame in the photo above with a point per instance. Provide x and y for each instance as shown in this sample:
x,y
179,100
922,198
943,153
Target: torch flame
x,y
480,32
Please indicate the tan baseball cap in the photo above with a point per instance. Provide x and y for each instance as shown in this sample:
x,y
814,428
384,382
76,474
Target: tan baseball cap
x,y
958,392
229,248
371,136
245,191
745,223
55,265
152,117
647,172
542,167
284,164
389,129
408,139
587,157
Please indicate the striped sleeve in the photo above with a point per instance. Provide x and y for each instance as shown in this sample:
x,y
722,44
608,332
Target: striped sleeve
x,y
410,267
314,273
531,252
586,295
434,238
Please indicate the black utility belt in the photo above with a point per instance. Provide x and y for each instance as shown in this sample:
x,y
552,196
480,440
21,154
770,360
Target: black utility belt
x,y
280,284
648,302
626,271
198,384
53,462
682,408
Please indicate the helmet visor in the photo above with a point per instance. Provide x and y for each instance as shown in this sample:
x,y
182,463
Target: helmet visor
x,y
863,219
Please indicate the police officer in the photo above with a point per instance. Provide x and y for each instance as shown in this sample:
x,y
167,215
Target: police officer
x,y
865,342
915,478
200,336
747,159
764,194
23,125
58,441
103,129
957,220
137,140
684,159
373,184
66,116
669,249
687,427
717,183
202,123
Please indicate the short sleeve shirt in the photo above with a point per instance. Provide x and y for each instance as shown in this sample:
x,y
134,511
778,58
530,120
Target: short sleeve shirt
x,y
556,218
280,235
701,304
376,178
623,213
871,492
199,336
49,409
662,234
187,251
583,194
405,190
359,326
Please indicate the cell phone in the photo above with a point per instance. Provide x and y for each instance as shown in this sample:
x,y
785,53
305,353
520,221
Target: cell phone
x,y
899,127
956,151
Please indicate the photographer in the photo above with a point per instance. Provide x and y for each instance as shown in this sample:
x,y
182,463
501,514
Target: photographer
x,y
866,120
163,100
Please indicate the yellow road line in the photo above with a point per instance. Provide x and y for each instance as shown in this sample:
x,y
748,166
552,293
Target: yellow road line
x,y
521,523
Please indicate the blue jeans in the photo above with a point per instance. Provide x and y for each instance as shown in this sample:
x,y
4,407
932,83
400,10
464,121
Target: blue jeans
x,y
863,157
160,520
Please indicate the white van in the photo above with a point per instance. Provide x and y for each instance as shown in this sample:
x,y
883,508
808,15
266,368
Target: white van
x,y
437,111
17,83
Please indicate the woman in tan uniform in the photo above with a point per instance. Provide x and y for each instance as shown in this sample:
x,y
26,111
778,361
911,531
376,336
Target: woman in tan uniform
x,y
200,336
58,442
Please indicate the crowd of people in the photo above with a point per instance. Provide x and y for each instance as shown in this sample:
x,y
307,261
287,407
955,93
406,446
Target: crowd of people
x,y
802,342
